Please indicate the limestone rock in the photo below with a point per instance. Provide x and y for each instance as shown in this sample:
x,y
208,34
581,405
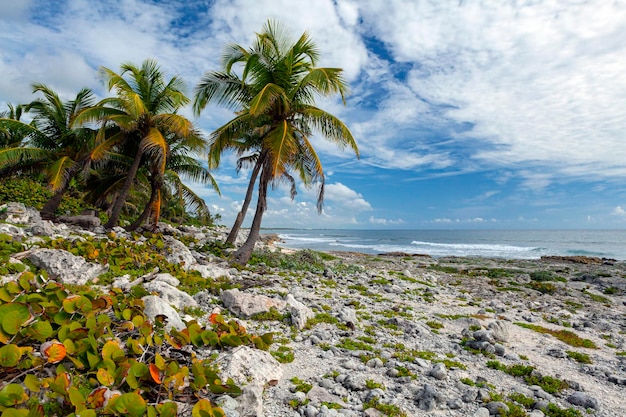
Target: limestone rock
x,y
18,213
246,365
251,401
211,271
300,313
348,316
170,293
176,252
65,266
42,228
500,331
154,306
584,400
247,305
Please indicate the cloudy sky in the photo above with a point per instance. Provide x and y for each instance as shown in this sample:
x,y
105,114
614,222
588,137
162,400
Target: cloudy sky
x,y
467,113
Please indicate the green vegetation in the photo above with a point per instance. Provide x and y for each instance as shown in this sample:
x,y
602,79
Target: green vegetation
x,y
325,318
597,298
542,287
283,354
564,336
371,384
547,383
389,410
93,344
300,385
579,357
542,276
434,324
553,410
351,344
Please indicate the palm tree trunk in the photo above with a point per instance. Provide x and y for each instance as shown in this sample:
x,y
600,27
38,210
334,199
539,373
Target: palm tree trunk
x,y
243,254
146,212
232,236
47,212
121,198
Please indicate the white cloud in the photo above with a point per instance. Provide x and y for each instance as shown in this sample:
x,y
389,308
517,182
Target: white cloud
x,y
618,211
375,220
343,196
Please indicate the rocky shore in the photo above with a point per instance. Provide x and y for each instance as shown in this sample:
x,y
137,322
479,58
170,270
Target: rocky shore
x,y
388,335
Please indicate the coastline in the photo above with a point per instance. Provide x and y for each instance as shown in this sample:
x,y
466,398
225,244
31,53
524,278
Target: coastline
x,y
366,335
507,244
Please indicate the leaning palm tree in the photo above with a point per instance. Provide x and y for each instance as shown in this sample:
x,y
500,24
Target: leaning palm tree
x,y
275,93
145,110
52,142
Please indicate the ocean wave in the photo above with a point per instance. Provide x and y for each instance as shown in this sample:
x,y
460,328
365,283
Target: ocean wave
x,y
306,238
475,246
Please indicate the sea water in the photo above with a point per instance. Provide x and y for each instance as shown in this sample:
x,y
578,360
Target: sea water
x,y
509,244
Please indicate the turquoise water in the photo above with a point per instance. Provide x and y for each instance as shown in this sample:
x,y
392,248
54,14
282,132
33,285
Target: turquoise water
x,y
509,244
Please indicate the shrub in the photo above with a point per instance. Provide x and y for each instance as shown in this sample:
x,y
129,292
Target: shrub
x,y
94,346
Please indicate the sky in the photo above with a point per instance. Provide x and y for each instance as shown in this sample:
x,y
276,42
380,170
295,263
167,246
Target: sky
x,y
468,113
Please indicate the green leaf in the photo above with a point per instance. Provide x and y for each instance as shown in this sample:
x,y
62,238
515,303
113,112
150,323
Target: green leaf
x,y
10,355
168,409
231,340
32,383
13,316
15,412
131,404
111,350
12,394
76,398
40,331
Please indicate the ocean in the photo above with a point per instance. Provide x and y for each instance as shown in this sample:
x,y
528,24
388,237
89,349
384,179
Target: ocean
x,y
508,244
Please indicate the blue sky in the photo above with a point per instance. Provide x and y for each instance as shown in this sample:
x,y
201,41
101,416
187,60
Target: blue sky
x,y
468,114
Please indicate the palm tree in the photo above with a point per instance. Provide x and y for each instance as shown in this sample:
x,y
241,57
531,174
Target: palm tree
x,y
52,142
145,111
12,136
275,94
180,162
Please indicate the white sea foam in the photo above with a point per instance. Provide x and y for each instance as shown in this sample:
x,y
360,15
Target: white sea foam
x,y
511,244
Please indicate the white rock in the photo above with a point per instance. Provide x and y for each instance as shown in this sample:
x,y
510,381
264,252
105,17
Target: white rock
x,y
251,401
154,306
247,305
211,271
500,330
18,213
176,252
246,365
172,295
66,267
300,313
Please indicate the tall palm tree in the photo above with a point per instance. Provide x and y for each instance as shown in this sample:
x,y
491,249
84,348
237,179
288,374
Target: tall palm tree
x,y
275,93
53,142
145,111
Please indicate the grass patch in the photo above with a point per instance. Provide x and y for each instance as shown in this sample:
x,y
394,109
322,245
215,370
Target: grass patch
x,y
597,298
564,336
389,410
547,383
301,385
434,324
579,357
351,344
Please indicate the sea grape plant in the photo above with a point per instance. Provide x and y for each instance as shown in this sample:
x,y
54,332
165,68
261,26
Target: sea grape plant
x,y
90,354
